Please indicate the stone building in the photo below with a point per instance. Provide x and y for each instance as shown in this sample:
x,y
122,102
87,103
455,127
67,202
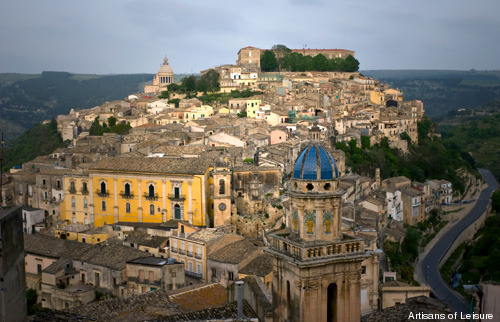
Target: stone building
x,y
250,183
163,78
153,273
12,283
316,269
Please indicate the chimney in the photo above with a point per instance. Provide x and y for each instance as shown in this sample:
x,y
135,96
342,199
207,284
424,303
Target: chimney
x,y
239,286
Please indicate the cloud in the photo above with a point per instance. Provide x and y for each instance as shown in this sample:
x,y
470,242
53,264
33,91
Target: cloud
x,y
131,36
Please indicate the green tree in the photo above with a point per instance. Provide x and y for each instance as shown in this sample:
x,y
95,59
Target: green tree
x,y
111,121
495,200
411,242
321,63
268,61
189,83
350,64
281,51
211,79
165,94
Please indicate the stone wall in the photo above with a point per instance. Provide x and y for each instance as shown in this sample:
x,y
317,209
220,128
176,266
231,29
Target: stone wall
x,y
467,234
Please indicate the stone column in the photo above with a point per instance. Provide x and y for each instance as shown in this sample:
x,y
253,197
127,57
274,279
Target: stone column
x,y
164,210
115,208
190,200
139,210
354,298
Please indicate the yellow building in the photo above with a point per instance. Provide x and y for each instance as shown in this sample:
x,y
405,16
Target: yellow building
x,y
154,190
253,105
194,113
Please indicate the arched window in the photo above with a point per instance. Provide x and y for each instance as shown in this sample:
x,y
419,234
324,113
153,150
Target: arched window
x,y
127,189
85,203
72,187
222,187
151,190
127,208
103,205
151,209
103,187
84,187
73,202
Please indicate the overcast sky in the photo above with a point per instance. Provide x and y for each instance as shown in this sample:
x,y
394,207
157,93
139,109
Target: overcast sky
x,y
132,36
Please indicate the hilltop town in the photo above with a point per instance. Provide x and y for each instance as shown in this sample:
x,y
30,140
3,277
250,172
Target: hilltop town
x,y
172,196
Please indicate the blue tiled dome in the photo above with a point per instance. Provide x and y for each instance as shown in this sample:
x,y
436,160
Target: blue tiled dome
x,y
315,163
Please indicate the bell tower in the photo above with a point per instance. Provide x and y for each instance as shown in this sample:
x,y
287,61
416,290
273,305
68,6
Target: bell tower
x,y
316,269
222,195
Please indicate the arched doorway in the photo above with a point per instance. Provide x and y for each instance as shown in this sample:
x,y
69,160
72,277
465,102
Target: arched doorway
x,y
332,303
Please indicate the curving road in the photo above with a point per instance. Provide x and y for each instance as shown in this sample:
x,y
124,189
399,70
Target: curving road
x,y
429,265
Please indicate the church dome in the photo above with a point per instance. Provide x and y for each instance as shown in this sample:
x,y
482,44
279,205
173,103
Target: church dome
x,y
165,69
315,163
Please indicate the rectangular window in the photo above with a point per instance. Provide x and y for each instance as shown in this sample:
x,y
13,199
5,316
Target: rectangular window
x,y
97,279
214,272
230,276
39,268
198,268
190,266
141,275
363,269
151,277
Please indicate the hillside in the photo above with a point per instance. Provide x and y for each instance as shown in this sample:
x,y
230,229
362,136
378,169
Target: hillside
x,y
28,99
41,139
476,131
443,90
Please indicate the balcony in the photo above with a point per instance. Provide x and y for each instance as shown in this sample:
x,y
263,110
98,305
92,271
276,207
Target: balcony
x,y
197,256
150,197
305,253
190,254
176,197
193,274
182,252
173,250
72,191
101,194
126,195
84,192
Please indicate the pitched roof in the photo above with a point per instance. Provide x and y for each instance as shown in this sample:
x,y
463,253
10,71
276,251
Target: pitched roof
x,y
154,165
207,296
111,256
261,265
233,253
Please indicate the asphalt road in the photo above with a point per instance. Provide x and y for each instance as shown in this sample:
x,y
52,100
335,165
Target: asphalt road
x,y
429,266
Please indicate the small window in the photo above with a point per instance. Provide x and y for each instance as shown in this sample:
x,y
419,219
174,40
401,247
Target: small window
x,y
230,276
363,269
151,209
127,208
214,272
103,205
85,203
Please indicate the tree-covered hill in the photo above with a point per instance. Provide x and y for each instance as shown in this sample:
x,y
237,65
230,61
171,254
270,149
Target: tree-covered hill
x,y
443,90
28,99
476,131
41,139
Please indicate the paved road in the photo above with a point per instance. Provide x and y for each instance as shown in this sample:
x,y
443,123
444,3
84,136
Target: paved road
x,y
429,266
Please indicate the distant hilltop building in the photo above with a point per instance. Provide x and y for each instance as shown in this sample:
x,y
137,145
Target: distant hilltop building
x,y
163,78
250,56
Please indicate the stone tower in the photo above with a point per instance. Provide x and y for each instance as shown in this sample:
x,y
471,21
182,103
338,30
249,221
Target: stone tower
x,y
222,195
316,269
